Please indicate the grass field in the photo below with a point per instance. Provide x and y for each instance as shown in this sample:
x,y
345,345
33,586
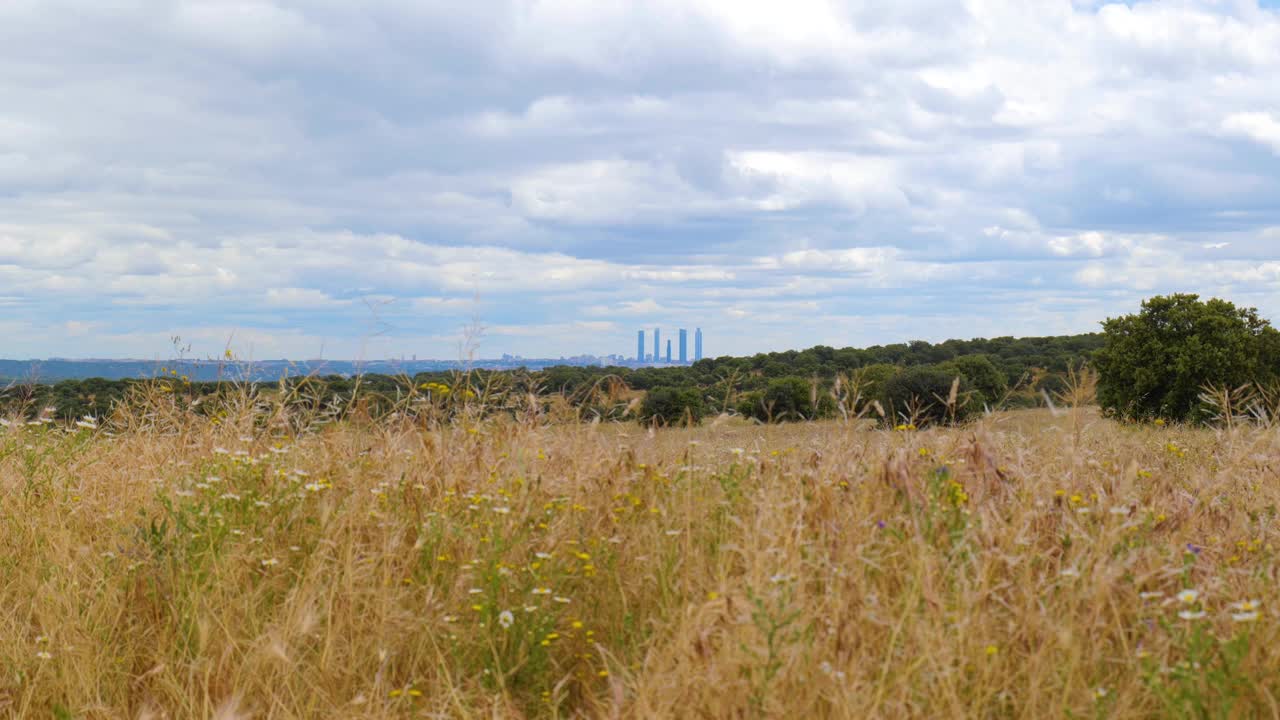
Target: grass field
x,y
1028,565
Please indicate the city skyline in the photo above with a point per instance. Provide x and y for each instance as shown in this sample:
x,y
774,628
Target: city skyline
x,y
658,357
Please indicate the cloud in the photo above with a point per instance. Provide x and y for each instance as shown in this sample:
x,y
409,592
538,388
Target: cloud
x,y
857,260
440,303
1260,127
301,299
1091,244
784,181
370,177
59,251
603,191
647,308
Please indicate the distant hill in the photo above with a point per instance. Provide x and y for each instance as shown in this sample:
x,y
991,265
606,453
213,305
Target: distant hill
x,y
58,369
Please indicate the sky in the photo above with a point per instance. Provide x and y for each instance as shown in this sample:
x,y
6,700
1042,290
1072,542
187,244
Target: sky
x,y
323,178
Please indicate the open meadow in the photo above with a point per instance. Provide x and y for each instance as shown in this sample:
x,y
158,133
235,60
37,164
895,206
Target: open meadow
x,y
1029,564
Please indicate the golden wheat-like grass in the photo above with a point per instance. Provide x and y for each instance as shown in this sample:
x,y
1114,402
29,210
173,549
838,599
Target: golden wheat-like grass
x,y
1025,566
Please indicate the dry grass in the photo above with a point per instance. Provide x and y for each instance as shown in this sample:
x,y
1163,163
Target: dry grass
x,y
815,570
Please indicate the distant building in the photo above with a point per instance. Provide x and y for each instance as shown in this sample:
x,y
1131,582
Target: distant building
x,y
640,346
697,344
684,346
657,345
668,352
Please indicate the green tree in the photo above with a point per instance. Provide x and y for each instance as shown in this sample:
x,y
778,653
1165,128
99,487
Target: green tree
x,y
1052,385
1154,364
673,406
790,398
921,394
875,377
981,375
787,398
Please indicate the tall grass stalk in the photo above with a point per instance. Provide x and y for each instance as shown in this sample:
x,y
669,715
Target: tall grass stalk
x,y
470,554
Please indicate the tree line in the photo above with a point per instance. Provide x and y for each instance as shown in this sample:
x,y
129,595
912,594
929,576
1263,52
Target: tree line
x,y
1179,358
793,385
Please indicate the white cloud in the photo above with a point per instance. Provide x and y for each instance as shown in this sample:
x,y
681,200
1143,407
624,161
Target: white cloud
x,y
856,260
556,115
301,299
60,251
440,303
1092,244
639,307
1260,127
255,29
75,328
784,181
296,168
604,191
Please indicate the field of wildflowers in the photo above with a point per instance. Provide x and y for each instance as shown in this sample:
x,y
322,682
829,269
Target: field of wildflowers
x,y
1031,564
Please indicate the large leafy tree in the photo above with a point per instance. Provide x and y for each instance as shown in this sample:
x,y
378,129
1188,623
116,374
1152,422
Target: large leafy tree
x,y
1154,364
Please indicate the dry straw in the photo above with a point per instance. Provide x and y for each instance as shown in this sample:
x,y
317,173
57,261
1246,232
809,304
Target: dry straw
x,y
274,558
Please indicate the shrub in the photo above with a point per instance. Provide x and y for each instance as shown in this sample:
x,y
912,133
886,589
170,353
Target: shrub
x,y
673,406
788,398
981,375
920,394
1051,385
875,377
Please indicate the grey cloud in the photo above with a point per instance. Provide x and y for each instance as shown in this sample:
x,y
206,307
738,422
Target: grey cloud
x,y
164,159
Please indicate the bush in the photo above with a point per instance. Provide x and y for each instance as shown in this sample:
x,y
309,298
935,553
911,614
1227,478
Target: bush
x,y
788,398
920,394
875,377
1052,385
989,385
673,406
1156,363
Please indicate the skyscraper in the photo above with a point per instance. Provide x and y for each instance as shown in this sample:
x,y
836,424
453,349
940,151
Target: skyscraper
x,y
697,344
668,352
684,346
640,346
657,345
